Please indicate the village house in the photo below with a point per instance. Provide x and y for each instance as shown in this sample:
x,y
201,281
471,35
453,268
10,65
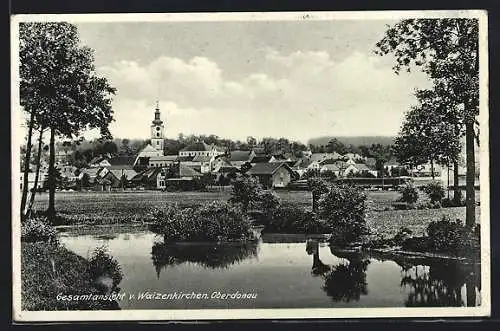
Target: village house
x,y
162,161
99,161
147,179
356,158
100,179
359,168
259,158
145,154
238,158
204,162
201,148
279,158
177,176
275,175
330,167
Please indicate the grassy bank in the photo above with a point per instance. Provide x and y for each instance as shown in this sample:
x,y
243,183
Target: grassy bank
x,y
387,223
48,270
131,207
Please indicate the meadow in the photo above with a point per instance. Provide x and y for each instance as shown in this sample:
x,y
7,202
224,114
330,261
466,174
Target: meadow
x,y
130,207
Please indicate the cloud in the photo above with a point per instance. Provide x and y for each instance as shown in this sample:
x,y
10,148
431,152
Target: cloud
x,y
298,95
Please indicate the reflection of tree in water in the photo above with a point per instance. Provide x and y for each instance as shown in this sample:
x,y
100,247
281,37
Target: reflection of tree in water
x,y
343,282
208,255
318,267
441,284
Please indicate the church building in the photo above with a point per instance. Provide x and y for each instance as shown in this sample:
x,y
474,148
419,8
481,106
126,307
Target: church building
x,y
155,148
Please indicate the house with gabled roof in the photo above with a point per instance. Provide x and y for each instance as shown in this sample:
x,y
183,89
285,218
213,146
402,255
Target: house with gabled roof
x,y
99,161
202,148
260,159
178,176
332,167
145,154
162,161
101,179
359,168
275,175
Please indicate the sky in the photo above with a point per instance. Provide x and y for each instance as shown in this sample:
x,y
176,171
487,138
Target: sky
x,y
293,79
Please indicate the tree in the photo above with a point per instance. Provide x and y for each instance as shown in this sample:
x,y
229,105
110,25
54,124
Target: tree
x,y
245,191
317,186
343,208
37,174
447,51
59,87
426,135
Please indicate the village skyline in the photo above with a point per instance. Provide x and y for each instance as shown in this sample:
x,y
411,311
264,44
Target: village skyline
x,y
298,80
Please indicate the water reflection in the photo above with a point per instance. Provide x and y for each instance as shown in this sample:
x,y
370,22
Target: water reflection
x,y
287,272
438,282
208,255
344,282
440,285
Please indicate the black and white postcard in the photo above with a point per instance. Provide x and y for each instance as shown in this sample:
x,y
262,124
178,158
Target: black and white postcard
x,y
279,165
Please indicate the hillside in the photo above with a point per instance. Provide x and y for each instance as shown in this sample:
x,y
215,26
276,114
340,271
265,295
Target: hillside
x,y
354,140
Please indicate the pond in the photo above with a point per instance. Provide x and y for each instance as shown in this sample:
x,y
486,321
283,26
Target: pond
x,y
276,272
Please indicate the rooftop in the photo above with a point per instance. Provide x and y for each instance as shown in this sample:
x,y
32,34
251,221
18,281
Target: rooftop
x,y
267,168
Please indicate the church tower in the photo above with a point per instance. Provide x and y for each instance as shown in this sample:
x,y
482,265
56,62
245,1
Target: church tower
x,y
157,131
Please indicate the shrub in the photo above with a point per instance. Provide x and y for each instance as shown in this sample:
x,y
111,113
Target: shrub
x,y
343,209
453,202
452,237
38,228
102,264
317,186
403,234
294,219
445,235
417,244
245,191
267,202
409,193
214,221
434,191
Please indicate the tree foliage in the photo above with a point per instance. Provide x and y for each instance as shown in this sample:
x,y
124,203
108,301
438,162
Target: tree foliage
x,y
447,50
59,87
426,135
58,81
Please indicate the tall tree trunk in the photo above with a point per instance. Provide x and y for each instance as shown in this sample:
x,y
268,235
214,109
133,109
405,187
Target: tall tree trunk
x,y
456,188
432,169
37,174
51,211
27,160
470,199
448,178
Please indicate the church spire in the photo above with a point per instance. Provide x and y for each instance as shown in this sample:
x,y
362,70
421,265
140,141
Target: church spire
x,y
157,120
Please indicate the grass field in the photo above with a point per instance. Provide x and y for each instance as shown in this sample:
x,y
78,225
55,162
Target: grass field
x,y
126,207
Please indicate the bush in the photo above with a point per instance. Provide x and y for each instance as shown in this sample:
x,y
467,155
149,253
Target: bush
x,y
102,264
452,237
445,235
409,193
403,234
294,219
343,209
38,228
267,202
214,221
434,191
245,191
453,203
